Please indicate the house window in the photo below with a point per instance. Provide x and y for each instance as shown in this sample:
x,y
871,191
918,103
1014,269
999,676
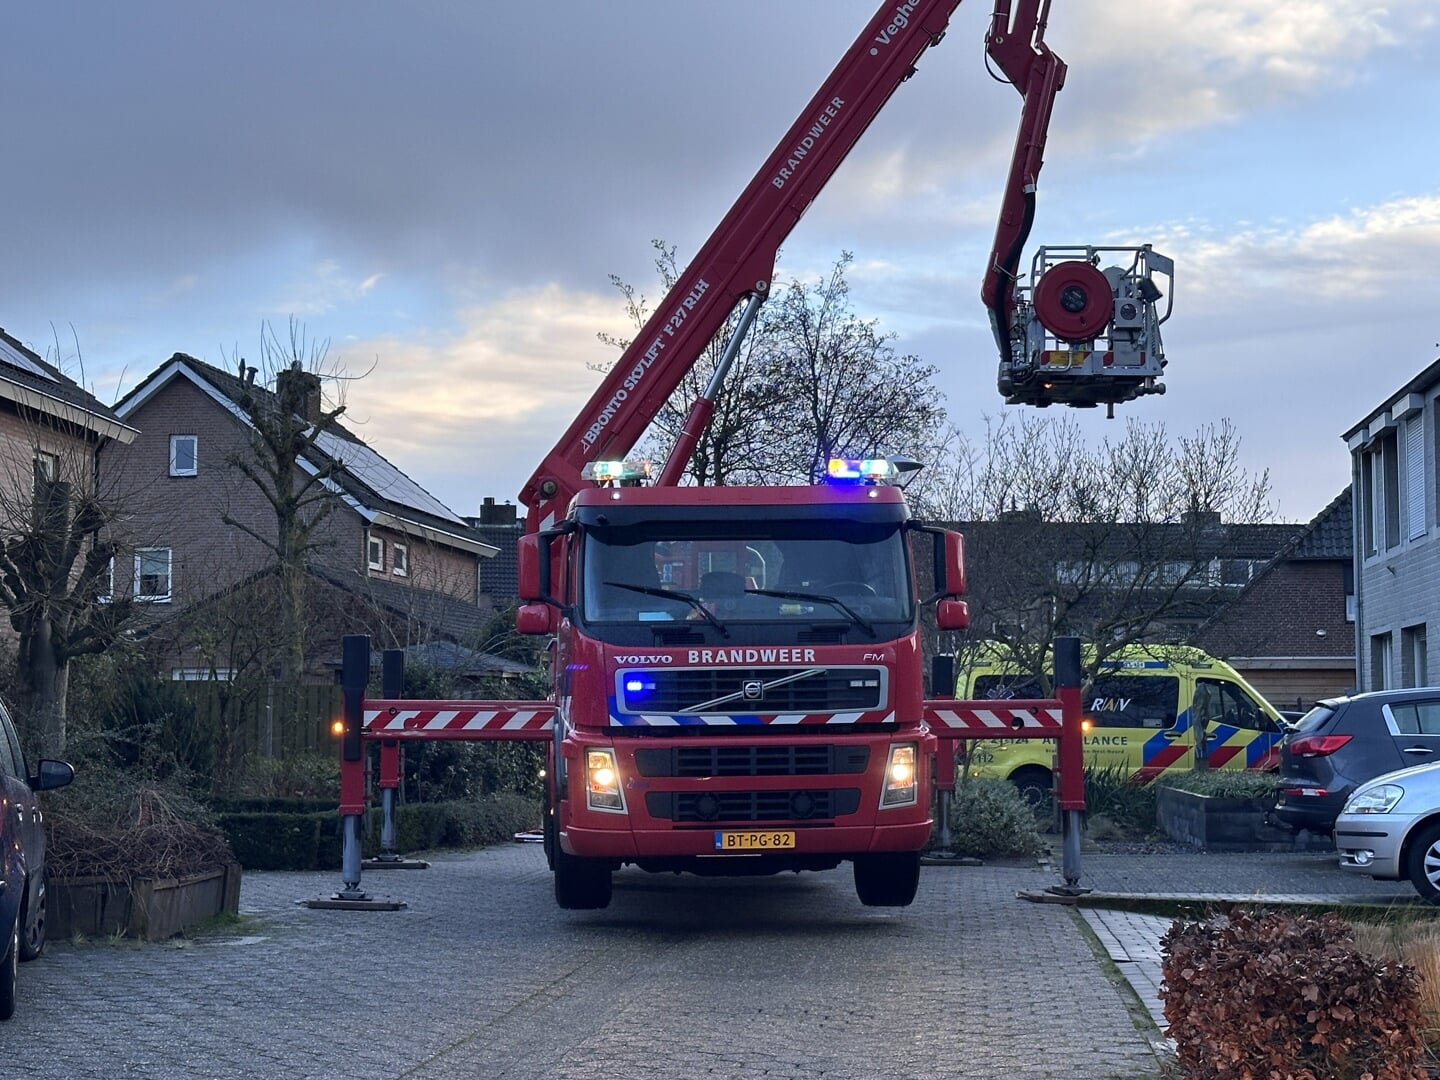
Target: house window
x,y
1380,493
1414,668
400,557
152,574
184,455
202,674
47,465
1415,510
1380,662
375,553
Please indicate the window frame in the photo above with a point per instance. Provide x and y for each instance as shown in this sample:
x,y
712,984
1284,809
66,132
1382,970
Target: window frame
x,y
400,559
375,552
155,597
194,469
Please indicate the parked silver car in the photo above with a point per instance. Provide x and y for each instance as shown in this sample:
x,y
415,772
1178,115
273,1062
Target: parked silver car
x,y
1389,829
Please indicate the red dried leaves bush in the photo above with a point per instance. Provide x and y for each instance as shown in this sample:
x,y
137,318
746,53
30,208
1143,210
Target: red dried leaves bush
x,y
1287,997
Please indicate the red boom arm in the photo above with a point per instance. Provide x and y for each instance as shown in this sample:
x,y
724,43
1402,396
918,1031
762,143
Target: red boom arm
x,y
739,258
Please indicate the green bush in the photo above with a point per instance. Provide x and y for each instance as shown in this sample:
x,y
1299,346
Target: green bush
x,y
989,818
1114,795
1225,783
313,841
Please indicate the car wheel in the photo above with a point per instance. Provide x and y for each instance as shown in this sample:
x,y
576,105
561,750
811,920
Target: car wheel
x,y
9,974
1422,863
32,927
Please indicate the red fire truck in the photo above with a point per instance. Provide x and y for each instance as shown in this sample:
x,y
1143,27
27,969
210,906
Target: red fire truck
x,y
738,671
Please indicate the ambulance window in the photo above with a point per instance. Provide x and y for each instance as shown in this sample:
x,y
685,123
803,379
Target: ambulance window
x,y
1218,702
1006,688
1137,701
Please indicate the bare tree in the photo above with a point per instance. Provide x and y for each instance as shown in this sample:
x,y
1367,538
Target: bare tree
x,y
812,379
55,567
1122,543
285,426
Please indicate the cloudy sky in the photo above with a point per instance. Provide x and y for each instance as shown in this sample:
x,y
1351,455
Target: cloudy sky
x,y
440,189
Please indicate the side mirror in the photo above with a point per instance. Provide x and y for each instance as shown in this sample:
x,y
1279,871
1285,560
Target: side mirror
x,y
52,774
952,615
535,619
954,563
527,556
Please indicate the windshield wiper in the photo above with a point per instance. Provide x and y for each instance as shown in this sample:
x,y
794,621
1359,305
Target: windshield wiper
x,y
675,594
784,594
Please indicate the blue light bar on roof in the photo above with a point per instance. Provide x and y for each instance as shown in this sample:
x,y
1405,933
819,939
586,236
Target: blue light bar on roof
x,y
860,470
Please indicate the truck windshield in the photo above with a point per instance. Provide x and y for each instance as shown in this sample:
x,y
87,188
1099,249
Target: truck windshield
x,y
746,572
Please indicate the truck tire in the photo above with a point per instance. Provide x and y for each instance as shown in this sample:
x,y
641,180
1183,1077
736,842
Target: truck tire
x,y
887,880
1422,862
581,884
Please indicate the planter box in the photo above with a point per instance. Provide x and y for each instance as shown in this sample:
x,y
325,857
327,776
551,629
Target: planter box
x,y
151,910
1214,824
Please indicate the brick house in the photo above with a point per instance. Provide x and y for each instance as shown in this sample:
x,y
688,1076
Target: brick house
x,y
388,558
51,429
1290,630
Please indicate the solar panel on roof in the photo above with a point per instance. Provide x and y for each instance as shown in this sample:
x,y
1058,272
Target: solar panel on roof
x,y
381,477
15,358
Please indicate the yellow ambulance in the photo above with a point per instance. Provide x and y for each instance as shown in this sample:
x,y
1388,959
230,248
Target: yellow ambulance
x,y
1143,713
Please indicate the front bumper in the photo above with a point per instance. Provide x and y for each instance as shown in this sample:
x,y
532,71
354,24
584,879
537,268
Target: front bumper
x,y
834,842
1371,844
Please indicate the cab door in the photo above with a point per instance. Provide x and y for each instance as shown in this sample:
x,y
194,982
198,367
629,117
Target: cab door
x,y
1238,733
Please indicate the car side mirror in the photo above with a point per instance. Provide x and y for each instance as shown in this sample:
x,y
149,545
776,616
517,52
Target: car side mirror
x,y
52,774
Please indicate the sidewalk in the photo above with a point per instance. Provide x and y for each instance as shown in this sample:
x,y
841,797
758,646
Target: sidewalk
x,y
1122,882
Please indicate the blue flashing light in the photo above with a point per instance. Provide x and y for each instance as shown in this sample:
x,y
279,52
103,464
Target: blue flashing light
x,y
860,470
633,686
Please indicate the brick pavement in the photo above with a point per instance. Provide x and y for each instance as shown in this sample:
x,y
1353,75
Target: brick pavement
x,y
680,978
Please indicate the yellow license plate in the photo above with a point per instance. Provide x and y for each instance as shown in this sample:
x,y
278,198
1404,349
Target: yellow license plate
x,y
754,841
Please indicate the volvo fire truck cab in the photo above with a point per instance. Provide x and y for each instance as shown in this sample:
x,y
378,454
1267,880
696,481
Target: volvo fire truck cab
x,y
738,681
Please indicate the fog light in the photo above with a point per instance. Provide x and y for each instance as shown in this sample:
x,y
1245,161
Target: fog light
x,y
602,782
901,788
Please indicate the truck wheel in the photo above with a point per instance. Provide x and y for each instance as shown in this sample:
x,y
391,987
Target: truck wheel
x,y
581,884
1422,863
9,973
887,880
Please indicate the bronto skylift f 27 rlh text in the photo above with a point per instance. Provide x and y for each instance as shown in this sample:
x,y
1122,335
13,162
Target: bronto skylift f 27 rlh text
x,y
738,670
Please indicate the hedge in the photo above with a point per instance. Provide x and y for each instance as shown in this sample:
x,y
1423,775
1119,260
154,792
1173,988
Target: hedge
x,y
282,840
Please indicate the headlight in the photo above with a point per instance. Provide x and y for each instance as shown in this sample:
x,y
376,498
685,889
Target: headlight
x,y
1380,799
901,785
602,781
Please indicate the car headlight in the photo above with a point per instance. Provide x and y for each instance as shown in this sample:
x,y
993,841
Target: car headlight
x,y
1380,799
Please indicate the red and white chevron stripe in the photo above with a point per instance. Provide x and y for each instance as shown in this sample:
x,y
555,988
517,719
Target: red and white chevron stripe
x,y
1039,719
458,719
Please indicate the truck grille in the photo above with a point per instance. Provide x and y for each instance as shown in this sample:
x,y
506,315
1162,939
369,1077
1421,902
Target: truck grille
x,y
731,690
754,760
752,805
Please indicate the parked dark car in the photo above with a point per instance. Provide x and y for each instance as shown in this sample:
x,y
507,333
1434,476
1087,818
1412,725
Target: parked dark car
x,y
22,858
1342,742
